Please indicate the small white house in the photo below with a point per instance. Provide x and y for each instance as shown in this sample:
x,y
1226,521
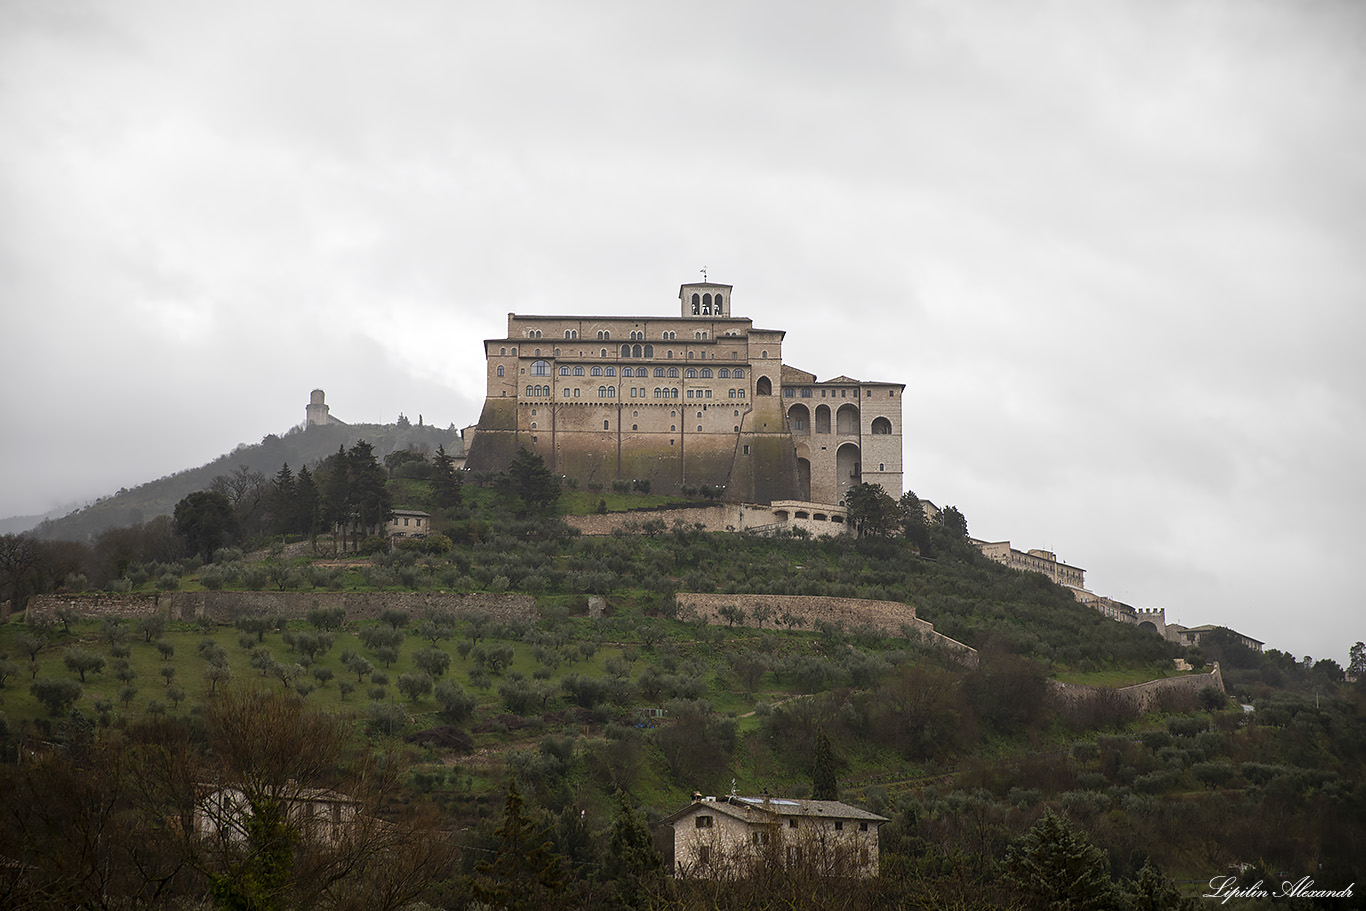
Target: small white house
x,y
712,835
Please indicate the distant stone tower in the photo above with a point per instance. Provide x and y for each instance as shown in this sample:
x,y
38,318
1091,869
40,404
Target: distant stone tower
x,y
317,411
1153,619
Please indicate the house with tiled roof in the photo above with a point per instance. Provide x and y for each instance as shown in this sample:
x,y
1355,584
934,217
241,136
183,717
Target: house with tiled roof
x,y
713,837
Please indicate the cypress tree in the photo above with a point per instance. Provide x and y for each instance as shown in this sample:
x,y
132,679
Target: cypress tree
x,y
447,484
824,785
633,864
370,497
525,871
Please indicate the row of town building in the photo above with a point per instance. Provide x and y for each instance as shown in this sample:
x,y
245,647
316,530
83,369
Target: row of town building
x,y
1074,579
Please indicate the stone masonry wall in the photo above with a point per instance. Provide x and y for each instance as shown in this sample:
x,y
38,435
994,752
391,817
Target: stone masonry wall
x,y
1144,696
225,607
888,616
99,605
721,517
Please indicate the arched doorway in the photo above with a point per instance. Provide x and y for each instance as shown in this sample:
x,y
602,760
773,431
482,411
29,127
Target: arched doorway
x,y
762,386
799,420
822,418
848,468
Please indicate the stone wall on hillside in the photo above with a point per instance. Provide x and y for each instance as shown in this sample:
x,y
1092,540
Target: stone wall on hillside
x,y
760,518
98,605
891,617
225,607
1146,696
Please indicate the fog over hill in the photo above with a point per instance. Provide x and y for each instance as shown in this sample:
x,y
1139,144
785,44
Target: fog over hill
x,y
298,447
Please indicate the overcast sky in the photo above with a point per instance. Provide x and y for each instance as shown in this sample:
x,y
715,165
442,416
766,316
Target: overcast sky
x,y
1114,249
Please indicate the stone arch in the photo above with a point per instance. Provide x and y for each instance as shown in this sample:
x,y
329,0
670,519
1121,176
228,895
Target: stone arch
x,y
846,420
1148,625
848,468
763,386
822,418
881,426
799,419
804,478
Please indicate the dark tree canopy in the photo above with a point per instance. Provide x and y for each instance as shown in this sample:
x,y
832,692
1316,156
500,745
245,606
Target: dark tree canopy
x,y
824,785
1058,868
205,519
529,485
447,485
872,513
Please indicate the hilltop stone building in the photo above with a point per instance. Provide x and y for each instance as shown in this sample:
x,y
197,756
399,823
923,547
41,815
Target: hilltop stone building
x,y
700,398
1034,560
1152,619
317,411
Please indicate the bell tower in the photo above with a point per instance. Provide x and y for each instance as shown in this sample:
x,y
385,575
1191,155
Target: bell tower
x,y
704,299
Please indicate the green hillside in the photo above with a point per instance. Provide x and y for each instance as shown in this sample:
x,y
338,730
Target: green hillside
x,y
298,447
500,751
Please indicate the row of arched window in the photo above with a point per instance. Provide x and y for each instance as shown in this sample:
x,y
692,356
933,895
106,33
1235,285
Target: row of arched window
x,y
610,392
637,351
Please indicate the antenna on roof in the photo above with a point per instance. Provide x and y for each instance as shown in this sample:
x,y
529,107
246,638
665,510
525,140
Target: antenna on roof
x,y
703,270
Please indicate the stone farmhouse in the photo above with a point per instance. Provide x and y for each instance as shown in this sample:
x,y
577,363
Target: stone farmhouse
x,y
700,398
712,836
408,523
319,814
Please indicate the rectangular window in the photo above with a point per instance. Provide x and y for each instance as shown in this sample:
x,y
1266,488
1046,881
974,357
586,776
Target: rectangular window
x,y
576,393
792,823
704,854
704,822
708,393
839,825
746,449
863,827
